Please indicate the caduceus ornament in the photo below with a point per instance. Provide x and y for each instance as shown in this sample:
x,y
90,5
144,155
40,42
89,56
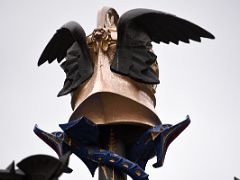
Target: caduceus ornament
x,y
111,75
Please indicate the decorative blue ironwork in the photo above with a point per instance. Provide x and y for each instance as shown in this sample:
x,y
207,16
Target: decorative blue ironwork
x,y
81,137
154,142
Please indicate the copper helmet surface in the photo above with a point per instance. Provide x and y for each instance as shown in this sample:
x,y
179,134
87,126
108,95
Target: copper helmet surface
x,y
108,97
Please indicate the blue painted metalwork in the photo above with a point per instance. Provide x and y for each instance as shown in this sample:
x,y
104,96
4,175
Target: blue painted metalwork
x,y
81,137
154,142
111,159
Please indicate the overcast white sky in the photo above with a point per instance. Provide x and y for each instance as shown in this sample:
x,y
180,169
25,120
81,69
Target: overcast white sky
x,y
200,79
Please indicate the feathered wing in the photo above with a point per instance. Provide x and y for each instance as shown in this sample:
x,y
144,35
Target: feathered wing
x,y
137,28
69,42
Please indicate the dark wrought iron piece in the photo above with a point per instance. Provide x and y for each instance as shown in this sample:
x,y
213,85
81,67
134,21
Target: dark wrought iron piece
x,y
70,42
36,167
136,30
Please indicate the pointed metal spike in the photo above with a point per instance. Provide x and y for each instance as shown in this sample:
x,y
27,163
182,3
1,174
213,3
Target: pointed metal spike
x,y
11,168
166,138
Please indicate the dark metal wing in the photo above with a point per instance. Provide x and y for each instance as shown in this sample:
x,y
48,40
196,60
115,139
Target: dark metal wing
x,y
137,28
41,167
70,42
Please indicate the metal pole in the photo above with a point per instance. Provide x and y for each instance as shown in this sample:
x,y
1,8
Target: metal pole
x,y
110,136
113,141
